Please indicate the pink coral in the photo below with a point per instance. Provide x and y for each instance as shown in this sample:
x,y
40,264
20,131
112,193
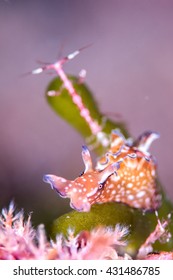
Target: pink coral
x,y
160,256
98,244
17,237
160,233
18,240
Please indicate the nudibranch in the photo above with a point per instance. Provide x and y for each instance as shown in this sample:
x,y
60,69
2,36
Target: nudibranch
x,y
84,190
126,173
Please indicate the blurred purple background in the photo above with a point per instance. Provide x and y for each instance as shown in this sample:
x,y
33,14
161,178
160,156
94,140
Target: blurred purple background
x,y
129,68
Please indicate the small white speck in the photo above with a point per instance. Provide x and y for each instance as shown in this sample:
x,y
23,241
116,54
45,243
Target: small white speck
x,y
129,185
111,186
128,192
122,192
114,192
74,190
51,93
82,73
84,189
80,190
131,197
153,173
141,174
147,201
84,180
136,204
115,178
140,194
63,180
72,55
137,178
37,71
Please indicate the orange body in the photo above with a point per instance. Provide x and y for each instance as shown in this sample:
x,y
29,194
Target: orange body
x,y
126,173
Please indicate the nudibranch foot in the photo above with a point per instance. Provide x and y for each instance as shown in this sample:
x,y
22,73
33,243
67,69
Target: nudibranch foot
x,y
84,207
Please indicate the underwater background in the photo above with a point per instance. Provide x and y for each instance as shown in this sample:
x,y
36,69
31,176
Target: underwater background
x,y
129,69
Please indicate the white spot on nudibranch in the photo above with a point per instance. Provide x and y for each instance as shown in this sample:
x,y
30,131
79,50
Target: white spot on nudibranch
x,y
114,192
140,194
63,180
115,178
131,197
129,185
141,174
147,200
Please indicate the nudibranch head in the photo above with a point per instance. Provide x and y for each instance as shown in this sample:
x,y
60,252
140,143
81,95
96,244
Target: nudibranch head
x,y
126,173
85,189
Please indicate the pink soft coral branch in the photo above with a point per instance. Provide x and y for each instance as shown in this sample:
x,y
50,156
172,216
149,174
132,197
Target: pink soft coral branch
x,y
98,244
18,240
159,233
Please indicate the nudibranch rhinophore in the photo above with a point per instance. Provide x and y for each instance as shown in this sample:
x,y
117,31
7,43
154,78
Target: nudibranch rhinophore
x,y
126,173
